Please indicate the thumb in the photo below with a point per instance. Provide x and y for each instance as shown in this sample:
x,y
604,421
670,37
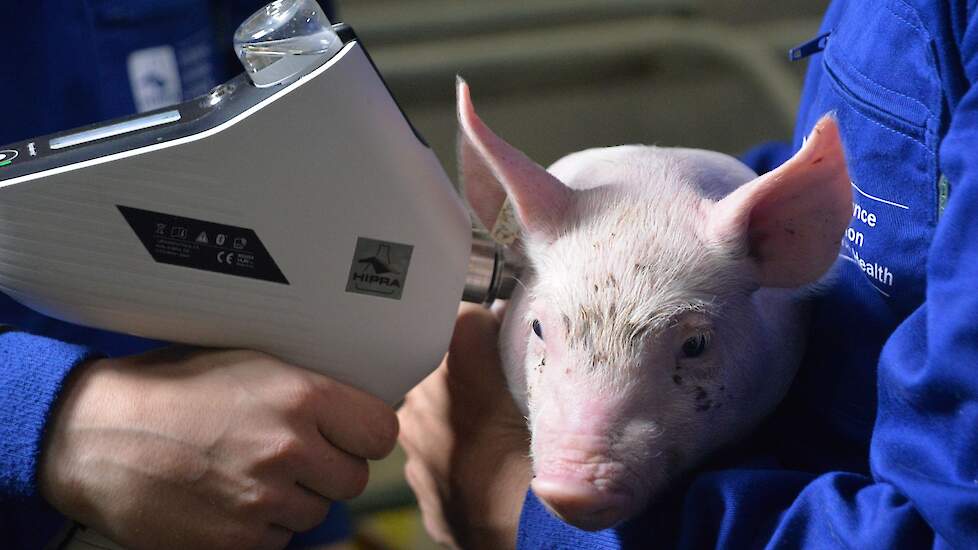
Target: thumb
x,y
476,333
474,369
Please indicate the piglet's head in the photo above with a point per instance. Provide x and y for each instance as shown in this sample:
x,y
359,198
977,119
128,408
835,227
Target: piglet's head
x,y
658,319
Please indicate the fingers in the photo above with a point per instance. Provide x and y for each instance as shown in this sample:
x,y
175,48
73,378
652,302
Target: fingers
x,y
331,472
476,337
242,535
429,503
353,421
473,359
476,324
273,538
301,510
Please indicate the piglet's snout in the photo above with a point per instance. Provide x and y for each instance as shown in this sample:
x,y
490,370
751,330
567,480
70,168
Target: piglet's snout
x,y
582,503
580,482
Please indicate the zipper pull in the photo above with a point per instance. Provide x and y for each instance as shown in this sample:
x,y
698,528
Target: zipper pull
x,y
943,194
805,49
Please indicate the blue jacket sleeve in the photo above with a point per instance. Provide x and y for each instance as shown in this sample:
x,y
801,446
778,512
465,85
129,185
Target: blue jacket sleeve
x,y
926,436
34,370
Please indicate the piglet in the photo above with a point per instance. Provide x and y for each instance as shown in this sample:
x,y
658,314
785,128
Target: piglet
x,y
661,314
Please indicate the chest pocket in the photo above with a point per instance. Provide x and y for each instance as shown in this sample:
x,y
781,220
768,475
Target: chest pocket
x,y
880,78
152,53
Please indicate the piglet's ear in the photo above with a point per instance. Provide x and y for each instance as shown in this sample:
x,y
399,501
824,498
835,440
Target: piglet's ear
x,y
491,169
790,221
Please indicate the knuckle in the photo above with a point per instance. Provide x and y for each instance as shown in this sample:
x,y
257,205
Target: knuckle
x,y
256,500
297,397
287,449
328,389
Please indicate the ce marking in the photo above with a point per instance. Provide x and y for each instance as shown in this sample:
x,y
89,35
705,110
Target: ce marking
x,y
224,257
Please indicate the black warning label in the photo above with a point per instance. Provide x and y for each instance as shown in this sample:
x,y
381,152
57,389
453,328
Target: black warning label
x,y
199,244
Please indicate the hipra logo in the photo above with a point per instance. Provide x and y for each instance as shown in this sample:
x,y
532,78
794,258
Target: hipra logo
x,y
379,268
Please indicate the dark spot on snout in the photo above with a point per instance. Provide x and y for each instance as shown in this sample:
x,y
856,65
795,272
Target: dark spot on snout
x,y
678,380
700,393
612,282
704,405
567,371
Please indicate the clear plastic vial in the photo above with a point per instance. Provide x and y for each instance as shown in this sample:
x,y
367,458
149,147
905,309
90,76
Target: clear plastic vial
x,y
283,40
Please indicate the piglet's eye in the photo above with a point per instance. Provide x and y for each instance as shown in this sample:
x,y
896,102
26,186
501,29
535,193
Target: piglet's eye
x,y
537,329
694,346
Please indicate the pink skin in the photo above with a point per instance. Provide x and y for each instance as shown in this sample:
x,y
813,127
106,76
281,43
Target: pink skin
x,y
577,473
667,284
601,450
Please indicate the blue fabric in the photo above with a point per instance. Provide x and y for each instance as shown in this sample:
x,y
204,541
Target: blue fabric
x,y
767,157
34,369
876,444
65,65
65,61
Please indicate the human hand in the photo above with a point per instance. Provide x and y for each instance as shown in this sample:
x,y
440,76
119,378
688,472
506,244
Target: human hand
x,y
208,449
467,443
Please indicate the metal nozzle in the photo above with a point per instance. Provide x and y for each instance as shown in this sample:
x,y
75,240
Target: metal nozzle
x,y
490,276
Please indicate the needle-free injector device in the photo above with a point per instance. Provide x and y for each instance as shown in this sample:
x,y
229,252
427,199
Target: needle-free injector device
x,y
292,210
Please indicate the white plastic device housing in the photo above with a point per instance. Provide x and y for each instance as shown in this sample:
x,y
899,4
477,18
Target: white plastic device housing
x,y
326,160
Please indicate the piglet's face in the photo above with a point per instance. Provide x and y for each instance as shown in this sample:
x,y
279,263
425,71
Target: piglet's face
x,y
639,334
630,353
